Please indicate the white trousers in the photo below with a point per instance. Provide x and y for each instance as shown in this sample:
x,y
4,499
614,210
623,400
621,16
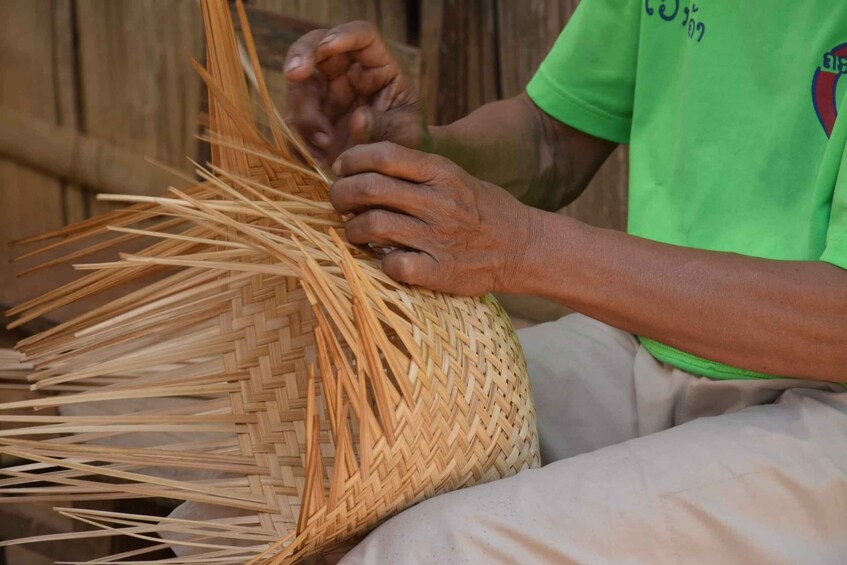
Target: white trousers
x,y
645,463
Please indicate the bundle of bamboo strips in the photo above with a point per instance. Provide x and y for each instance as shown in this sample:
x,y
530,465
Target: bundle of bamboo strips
x,y
317,396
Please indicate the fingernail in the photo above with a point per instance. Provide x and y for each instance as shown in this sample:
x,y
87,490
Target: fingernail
x,y
368,124
294,63
328,38
336,167
321,139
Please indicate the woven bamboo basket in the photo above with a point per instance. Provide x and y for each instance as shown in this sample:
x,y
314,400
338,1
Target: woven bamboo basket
x,y
309,396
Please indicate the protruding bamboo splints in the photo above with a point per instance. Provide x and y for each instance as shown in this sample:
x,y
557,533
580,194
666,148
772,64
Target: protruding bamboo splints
x,y
301,395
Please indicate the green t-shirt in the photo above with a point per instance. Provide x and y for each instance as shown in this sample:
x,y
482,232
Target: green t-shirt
x,y
731,112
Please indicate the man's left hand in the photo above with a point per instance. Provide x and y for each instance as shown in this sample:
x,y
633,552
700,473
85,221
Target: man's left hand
x,y
451,232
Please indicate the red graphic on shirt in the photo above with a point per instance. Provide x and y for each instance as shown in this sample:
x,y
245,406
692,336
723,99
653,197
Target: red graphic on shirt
x,y
825,83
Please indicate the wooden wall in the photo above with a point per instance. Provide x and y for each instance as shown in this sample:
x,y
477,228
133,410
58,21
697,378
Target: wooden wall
x,y
118,70
114,69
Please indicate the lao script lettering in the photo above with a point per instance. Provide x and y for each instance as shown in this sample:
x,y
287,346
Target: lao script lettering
x,y
671,10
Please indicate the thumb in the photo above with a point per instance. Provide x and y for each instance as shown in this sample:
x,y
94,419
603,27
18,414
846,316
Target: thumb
x,y
402,126
368,126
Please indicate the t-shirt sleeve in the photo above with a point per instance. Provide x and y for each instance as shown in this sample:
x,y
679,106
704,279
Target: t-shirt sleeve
x,y
836,236
588,79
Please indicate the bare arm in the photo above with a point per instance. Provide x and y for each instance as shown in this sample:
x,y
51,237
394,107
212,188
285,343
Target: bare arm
x,y
514,144
786,318
462,235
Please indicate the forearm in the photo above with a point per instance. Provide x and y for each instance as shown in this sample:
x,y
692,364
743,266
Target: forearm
x,y
513,144
778,317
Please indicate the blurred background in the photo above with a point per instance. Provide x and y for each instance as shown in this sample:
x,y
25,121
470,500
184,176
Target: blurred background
x,y
89,88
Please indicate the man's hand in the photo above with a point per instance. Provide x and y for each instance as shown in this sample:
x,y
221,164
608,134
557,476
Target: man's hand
x,y
345,88
452,232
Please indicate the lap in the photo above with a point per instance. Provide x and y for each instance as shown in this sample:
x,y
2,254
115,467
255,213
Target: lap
x,y
582,376
764,484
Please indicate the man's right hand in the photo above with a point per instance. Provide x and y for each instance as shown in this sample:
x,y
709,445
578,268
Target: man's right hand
x,y
345,88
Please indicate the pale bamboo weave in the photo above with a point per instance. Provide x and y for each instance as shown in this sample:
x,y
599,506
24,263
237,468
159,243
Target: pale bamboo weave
x,y
309,396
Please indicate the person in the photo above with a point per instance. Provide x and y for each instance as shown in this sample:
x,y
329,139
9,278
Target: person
x,y
692,411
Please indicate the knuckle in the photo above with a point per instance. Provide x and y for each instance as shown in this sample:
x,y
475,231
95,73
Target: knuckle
x,y
439,161
406,267
448,167
440,168
376,222
384,153
370,186
365,228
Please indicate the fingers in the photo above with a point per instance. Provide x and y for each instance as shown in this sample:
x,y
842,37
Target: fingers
x,y
300,59
362,126
386,229
355,52
395,161
334,51
307,116
411,267
369,126
359,38
359,193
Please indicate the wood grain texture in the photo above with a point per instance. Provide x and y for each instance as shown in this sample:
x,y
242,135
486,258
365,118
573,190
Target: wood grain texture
x,y
431,14
458,48
139,90
66,87
92,162
30,202
391,16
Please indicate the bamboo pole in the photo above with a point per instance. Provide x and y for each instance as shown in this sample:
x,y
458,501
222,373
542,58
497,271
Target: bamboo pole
x,y
94,163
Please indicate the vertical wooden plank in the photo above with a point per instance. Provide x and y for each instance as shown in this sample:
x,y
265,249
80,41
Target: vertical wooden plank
x,y
30,202
328,12
393,19
483,66
138,88
391,16
526,31
459,57
453,51
431,15
65,84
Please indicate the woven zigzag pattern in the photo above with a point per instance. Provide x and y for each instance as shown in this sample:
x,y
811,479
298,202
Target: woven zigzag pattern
x,y
303,395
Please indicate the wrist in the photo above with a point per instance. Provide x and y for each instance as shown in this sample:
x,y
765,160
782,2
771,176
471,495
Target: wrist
x,y
524,250
547,254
